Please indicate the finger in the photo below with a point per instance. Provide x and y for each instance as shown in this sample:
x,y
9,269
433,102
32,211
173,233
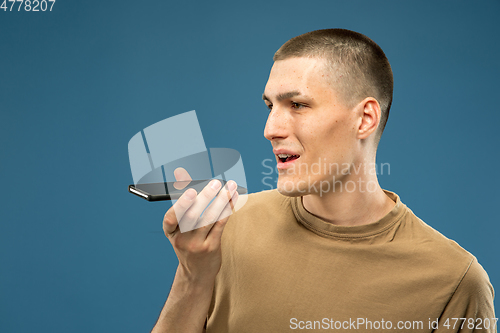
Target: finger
x,y
177,211
213,212
215,232
182,178
192,215
230,207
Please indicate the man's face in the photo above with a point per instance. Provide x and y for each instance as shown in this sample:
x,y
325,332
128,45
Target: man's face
x,y
309,121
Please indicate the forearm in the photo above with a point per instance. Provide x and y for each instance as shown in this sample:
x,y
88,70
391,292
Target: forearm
x,y
186,307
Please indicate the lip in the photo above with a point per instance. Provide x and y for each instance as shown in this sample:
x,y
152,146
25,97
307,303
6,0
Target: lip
x,y
284,151
285,165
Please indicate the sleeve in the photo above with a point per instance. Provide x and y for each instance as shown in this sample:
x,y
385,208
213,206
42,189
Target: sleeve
x,y
470,309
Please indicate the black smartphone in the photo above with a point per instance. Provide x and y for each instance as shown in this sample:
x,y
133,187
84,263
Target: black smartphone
x,y
172,190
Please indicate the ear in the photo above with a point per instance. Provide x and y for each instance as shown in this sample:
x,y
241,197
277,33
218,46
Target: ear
x,y
370,113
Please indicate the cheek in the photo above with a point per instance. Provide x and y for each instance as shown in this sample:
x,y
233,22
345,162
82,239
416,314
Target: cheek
x,y
328,140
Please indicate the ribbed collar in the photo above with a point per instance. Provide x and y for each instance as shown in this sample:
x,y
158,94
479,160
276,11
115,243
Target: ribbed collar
x,y
326,229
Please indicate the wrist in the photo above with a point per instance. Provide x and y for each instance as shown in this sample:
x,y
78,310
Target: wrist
x,y
193,282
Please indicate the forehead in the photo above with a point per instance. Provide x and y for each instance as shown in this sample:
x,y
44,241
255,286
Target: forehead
x,y
309,76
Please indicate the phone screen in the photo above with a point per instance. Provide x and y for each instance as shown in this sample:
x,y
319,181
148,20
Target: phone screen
x,y
172,190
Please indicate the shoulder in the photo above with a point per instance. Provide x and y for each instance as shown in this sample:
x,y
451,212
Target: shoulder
x,y
475,281
443,256
473,297
431,241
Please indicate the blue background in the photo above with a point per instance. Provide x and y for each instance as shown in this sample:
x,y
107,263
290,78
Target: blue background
x,y
78,253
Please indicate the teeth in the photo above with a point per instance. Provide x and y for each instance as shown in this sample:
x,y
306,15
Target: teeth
x,y
284,155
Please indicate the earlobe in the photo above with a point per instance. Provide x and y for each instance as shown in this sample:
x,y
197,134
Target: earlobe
x,y
370,117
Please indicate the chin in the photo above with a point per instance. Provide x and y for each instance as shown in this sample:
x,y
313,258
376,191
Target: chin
x,y
291,194
286,188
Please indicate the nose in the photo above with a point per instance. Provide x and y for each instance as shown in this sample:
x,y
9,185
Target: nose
x,y
277,125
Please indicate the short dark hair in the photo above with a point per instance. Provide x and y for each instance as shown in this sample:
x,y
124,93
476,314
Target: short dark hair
x,y
359,65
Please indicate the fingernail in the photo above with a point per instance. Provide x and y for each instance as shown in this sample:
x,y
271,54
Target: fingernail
x,y
231,186
215,184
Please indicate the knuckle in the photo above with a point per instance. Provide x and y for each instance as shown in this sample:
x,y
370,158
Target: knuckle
x,y
223,201
182,204
194,248
167,221
207,194
178,243
191,216
209,217
168,227
198,248
206,227
205,249
166,217
213,248
169,233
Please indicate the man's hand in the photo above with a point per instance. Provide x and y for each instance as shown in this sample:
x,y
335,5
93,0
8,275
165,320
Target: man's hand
x,y
198,250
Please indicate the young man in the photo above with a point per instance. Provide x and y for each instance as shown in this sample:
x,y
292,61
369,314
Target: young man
x,y
329,249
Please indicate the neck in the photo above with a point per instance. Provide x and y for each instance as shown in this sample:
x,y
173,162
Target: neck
x,y
350,208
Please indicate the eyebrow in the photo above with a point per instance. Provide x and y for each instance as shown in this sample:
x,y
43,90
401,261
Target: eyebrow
x,y
283,96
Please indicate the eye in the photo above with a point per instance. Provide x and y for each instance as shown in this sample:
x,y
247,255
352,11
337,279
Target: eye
x,y
269,106
296,105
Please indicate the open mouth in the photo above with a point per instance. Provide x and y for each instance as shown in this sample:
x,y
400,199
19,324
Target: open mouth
x,y
287,157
